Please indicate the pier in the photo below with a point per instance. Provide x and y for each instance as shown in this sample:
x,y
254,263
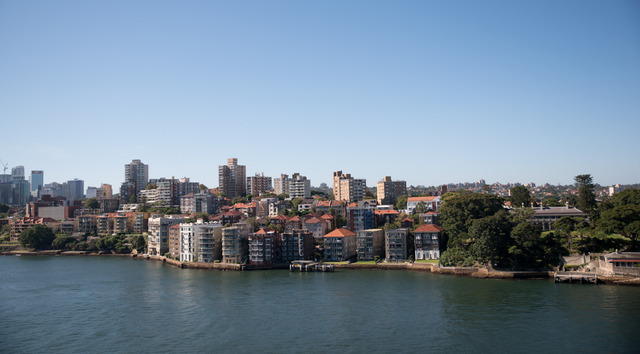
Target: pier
x,y
575,277
310,266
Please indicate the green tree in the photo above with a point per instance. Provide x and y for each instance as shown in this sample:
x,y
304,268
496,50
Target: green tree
x,y
202,187
460,209
133,199
624,220
520,197
491,239
38,237
138,243
401,202
151,186
566,225
4,208
91,203
551,201
64,243
586,193
525,251
421,208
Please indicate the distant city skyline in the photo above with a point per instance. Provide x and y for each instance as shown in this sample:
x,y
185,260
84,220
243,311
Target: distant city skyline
x,y
423,91
371,183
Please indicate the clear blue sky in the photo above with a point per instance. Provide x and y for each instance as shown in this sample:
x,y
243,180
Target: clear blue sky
x,y
426,91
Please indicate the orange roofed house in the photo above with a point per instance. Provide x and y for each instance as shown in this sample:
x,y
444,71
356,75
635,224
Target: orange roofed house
x,y
339,245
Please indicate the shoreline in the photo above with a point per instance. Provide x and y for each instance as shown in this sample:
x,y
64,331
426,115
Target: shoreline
x,y
471,272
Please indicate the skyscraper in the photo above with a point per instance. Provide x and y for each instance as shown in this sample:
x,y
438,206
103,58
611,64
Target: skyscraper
x,y
17,173
232,179
37,181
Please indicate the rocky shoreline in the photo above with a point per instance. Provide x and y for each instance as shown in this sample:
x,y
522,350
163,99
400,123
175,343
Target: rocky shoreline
x,y
471,272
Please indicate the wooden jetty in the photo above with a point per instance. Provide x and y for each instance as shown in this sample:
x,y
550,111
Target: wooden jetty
x,y
575,277
310,266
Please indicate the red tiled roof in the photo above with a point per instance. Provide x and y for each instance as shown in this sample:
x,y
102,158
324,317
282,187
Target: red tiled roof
x,y
421,199
428,228
295,218
407,219
329,203
352,205
340,233
382,212
175,226
327,217
313,220
261,232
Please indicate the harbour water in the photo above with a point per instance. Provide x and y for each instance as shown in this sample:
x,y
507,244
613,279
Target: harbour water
x,y
105,304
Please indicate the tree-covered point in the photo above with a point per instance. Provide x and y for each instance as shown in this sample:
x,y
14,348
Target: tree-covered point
x,y
38,237
478,230
4,208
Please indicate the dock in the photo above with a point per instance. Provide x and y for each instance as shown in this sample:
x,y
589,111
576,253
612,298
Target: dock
x,y
310,266
575,277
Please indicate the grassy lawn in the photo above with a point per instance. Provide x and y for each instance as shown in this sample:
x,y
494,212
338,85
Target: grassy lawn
x,y
365,262
345,262
433,261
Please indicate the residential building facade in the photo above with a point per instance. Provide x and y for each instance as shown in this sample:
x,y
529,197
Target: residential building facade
x,y
427,241
232,179
339,245
396,244
348,188
370,243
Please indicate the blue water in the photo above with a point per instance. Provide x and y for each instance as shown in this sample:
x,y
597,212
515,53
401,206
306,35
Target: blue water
x,y
104,304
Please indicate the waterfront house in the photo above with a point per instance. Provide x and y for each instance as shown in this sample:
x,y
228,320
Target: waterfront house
x,y
621,263
339,245
427,241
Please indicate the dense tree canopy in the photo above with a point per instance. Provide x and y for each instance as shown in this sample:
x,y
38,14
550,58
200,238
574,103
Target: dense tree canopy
x,y
520,197
38,237
481,231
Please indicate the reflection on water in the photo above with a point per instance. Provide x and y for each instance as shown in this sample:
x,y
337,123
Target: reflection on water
x,y
59,304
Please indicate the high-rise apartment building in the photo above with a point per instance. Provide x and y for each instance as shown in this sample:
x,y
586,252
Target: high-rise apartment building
x,y
299,187
348,188
281,185
137,173
258,184
232,179
389,191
